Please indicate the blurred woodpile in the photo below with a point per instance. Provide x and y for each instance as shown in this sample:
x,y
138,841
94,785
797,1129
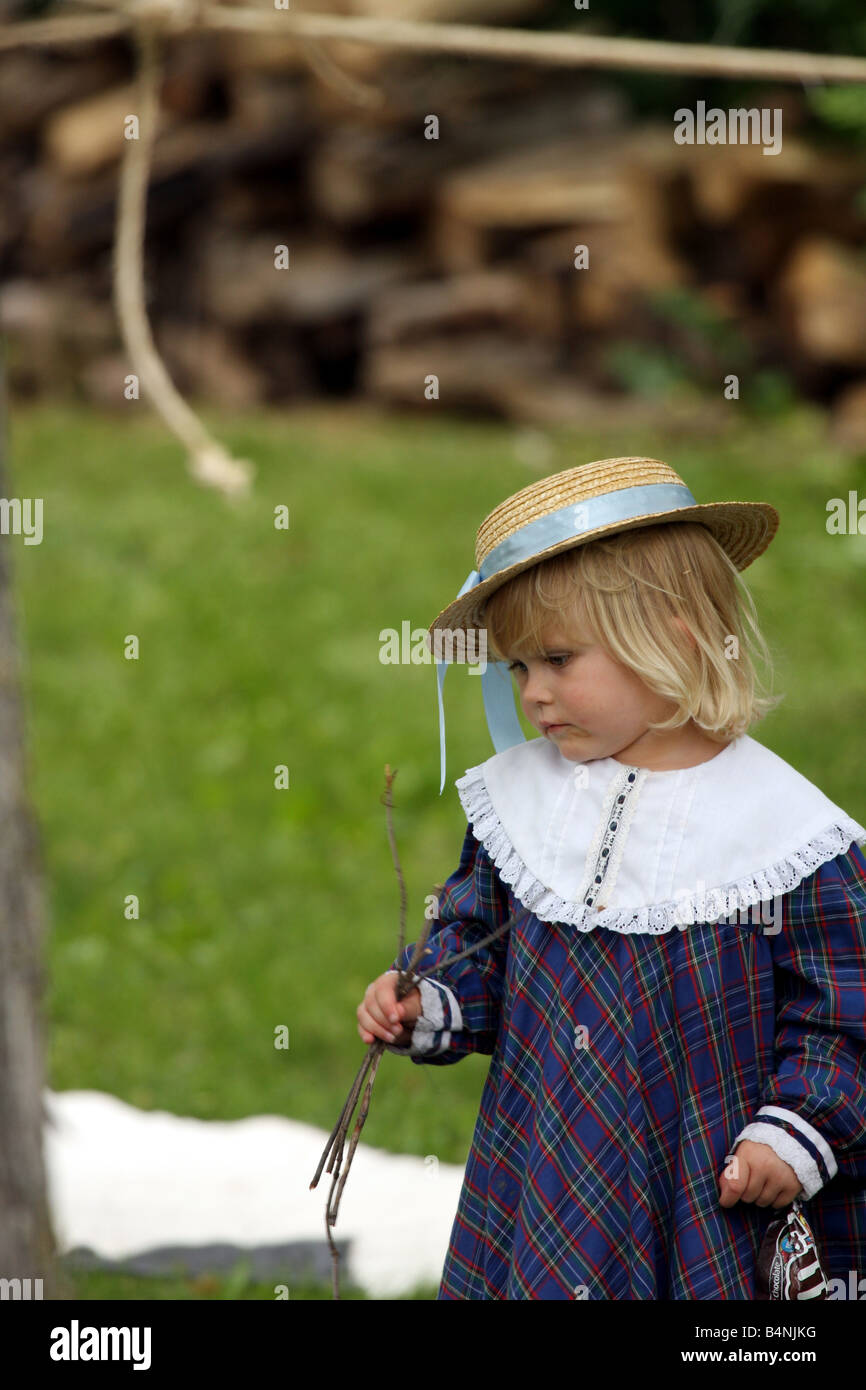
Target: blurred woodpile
x,y
412,257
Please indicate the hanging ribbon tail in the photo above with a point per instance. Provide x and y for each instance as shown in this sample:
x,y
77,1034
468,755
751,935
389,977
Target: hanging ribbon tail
x,y
441,672
499,706
498,692
472,579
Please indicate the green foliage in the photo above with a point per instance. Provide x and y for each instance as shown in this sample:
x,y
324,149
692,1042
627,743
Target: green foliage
x,y
646,371
807,26
702,348
841,108
692,312
770,393
812,26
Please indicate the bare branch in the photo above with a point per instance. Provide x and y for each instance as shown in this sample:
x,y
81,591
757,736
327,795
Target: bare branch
x,y
406,981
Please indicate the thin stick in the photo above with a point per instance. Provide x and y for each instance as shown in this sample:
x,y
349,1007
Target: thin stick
x,y
470,950
407,980
386,798
342,1119
362,1115
555,48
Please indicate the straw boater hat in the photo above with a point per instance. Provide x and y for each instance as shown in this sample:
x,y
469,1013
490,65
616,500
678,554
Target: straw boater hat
x,y
567,510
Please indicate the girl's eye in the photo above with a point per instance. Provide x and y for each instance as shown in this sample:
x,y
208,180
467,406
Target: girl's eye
x,y
559,658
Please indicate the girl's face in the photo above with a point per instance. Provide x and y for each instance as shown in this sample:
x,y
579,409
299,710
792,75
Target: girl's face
x,y
591,706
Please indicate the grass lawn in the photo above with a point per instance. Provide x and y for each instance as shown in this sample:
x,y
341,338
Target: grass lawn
x,y
261,907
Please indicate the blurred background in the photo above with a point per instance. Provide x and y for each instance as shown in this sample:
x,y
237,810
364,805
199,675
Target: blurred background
x,y
454,254
409,256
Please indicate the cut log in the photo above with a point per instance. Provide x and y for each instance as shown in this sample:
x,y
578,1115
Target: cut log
x,y
89,135
725,177
52,329
206,366
601,198
823,290
464,304
33,86
555,184
241,282
476,371
360,173
70,220
849,418
551,183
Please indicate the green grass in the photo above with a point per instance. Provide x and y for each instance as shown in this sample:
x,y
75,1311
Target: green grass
x,y
155,777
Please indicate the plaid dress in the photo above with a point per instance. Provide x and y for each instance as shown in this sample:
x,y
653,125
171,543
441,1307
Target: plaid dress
x,y
624,1067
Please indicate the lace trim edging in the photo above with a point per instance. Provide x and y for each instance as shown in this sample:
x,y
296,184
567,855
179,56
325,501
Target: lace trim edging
x,y
547,906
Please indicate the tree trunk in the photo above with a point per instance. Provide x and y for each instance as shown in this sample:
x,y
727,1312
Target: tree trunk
x,y
26,1237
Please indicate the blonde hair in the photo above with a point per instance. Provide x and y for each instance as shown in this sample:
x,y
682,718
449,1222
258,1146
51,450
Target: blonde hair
x,y
625,590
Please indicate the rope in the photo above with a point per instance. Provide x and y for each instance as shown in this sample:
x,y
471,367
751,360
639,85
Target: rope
x,y
515,45
208,462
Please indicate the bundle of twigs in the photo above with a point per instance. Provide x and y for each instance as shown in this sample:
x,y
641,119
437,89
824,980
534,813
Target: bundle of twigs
x,y
406,981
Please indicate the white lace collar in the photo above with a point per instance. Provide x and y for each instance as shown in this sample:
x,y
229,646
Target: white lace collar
x,y
602,843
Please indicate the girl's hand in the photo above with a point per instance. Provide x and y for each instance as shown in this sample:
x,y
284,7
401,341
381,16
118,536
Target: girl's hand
x,y
381,1016
762,1177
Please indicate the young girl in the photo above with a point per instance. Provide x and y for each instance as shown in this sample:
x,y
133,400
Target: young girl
x,y
677,1014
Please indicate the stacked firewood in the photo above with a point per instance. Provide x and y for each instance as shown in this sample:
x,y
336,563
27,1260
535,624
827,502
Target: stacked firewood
x,y
507,236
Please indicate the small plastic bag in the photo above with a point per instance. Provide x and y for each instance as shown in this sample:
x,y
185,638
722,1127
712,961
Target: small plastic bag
x,y
789,1265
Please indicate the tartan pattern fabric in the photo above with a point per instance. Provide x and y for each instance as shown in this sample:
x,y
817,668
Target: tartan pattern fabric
x,y
625,1067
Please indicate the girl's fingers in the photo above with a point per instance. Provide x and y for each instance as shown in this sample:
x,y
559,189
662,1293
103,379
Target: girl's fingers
x,y
769,1191
387,1004
787,1195
754,1186
374,1022
381,1011
732,1189
376,1013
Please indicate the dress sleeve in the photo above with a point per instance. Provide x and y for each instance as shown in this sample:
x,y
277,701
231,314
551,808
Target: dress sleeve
x,y
461,1005
815,1111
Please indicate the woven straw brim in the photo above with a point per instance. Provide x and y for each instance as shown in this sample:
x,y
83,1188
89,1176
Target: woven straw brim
x,y
742,529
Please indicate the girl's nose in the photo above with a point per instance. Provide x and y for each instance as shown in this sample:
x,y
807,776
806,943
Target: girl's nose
x,y
535,688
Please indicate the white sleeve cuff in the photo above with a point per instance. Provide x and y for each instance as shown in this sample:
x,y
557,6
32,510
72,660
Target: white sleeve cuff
x,y
431,1021
431,1004
788,1149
